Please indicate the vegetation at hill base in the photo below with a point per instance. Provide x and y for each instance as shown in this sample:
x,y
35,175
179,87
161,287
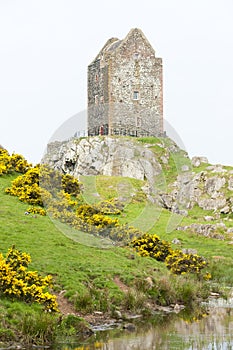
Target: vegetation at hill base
x,y
90,254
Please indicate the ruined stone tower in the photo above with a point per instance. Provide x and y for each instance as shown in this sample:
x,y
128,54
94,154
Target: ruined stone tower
x,y
125,89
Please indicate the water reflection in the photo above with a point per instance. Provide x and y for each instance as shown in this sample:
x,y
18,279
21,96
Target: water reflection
x,y
198,331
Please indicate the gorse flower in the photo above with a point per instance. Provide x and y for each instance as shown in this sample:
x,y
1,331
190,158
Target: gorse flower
x,y
10,163
17,282
176,261
153,246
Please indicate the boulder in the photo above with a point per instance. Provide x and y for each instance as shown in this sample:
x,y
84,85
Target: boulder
x,y
176,241
230,183
197,161
208,218
225,210
214,184
185,167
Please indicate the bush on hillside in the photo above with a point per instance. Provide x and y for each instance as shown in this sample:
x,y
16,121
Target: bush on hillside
x,y
181,263
10,163
70,185
39,185
176,261
19,283
153,246
26,187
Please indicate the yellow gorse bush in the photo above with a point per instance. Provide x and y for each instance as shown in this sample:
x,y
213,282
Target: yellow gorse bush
x,y
26,187
37,210
153,246
40,184
176,261
17,282
10,163
181,263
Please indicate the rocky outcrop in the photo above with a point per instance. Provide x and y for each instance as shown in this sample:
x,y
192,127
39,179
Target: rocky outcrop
x,y
206,230
210,189
205,189
103,156
197,161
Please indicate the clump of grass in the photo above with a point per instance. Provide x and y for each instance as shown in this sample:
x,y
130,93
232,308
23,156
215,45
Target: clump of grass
x,y
71,325
92,299
39,328
134,300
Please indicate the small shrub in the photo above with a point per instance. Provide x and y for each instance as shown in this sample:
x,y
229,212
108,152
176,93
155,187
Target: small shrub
x,y
19,283
124,234
71,325
6,335
10,163
190,291
153,246
26,187
37,210
4,161
84,302
38,328
70,185
19,164
134,300
163,292
86,210
110,207
181,263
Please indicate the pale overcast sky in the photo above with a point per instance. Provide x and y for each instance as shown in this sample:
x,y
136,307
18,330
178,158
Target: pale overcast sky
x,y
46,45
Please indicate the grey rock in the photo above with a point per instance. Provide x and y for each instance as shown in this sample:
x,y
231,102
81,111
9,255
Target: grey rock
x,y
197,161
129,327
164,159
117,314
189,251
211,203
113,156
225,210
108,156
208,218
185,168
176,241
230,183
214,184
206,230
216,168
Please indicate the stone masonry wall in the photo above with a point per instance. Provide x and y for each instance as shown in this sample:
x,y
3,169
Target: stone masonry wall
x,y
122,70
134,68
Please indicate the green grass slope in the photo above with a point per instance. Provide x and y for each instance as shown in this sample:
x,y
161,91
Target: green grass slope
x,y
97,279
75,267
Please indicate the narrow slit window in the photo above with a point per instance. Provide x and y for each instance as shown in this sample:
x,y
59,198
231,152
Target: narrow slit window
x,y
138,122
136,95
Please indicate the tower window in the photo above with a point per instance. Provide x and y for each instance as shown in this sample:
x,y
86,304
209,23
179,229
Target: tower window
x,y
138,122
136,56
135,95
96,99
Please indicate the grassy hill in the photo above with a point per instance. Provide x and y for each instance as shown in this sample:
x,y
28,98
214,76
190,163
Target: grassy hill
x,y
93,278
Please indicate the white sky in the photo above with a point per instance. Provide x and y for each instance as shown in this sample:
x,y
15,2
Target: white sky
x,y
46,45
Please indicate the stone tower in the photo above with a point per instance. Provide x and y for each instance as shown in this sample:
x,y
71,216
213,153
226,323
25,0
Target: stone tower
x,y
125,89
